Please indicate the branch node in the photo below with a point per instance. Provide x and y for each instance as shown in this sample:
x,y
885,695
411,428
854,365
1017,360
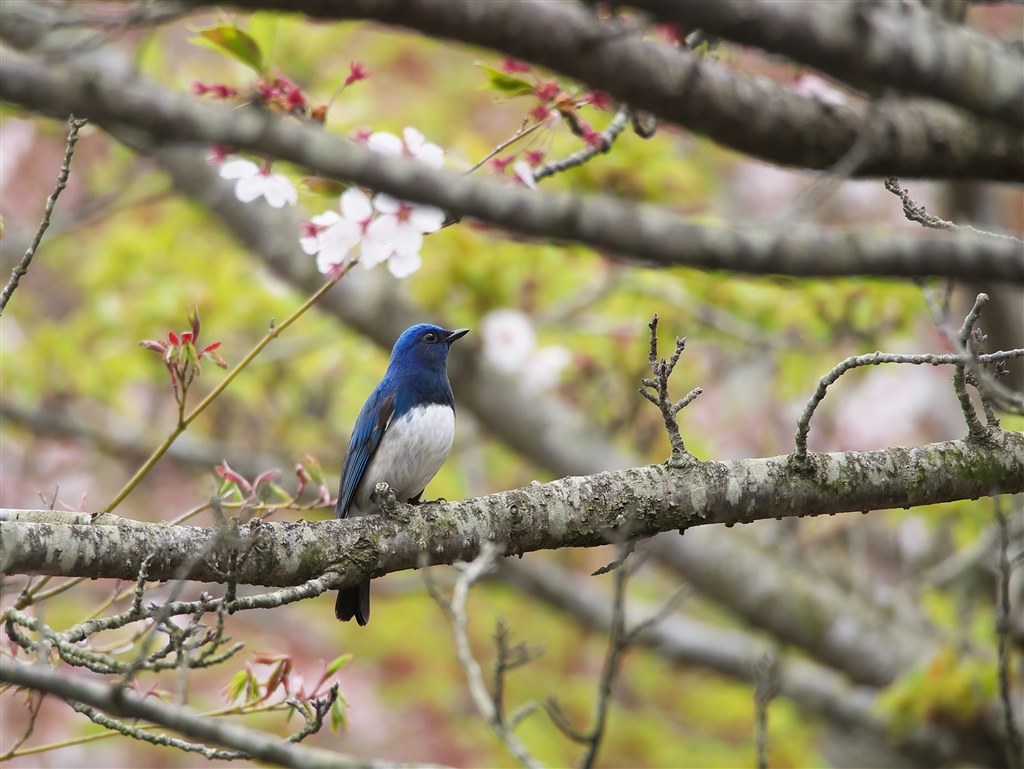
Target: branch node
x,y
655,389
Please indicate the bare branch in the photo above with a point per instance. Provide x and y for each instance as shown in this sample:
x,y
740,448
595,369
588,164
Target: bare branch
x,y
75,125
918,213
607,139
704,96
570,512
261,746
766,688
874,45
656,391
163,740
642,233
487,705
1014,749
878,358
974,427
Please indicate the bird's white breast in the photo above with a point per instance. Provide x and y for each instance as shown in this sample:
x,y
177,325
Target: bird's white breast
x,y
412,450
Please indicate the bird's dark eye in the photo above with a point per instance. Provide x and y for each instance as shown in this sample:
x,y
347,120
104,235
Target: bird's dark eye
x,y
430,336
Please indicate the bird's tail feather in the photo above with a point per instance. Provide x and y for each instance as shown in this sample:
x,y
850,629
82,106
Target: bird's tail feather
x,y
354,602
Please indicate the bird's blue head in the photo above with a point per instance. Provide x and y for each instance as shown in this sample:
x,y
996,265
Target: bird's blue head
x,y
424,346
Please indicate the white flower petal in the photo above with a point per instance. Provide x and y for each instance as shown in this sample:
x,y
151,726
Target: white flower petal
x,y
508,339
414,140
355,205
544,367
326,262
382,229
326,219
407,239
238,168
310,244
524,173
248,188
386,204
378,242
278,191
385,143
341,236
403,265
431,155
426,218
373,253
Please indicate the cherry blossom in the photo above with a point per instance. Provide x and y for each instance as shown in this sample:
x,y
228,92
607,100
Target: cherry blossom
x,y
253,181
544,367
510,345
524,173
386,229
413,145
508,339
397,234
332,236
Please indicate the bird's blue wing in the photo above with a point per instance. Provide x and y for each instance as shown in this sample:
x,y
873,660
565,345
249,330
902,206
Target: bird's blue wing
x,y
369,428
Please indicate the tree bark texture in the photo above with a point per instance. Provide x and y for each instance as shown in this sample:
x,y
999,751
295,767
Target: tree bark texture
x,y
571,512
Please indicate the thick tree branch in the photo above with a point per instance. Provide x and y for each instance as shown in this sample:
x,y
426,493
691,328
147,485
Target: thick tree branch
x,y
644,233
875,44
572,512
753,115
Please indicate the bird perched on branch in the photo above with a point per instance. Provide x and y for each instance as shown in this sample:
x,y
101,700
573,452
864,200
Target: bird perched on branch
x,y
402,437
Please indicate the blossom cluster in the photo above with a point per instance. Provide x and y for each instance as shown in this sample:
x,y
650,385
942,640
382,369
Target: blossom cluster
x,y
382,228
510,346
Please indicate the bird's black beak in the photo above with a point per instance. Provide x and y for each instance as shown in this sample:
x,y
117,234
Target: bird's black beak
x,y
456,334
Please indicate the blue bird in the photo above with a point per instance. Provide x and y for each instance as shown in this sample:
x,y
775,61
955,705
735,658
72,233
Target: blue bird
x,y
401,437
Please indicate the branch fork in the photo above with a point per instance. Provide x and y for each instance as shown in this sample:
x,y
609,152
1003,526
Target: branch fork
x,y
656,391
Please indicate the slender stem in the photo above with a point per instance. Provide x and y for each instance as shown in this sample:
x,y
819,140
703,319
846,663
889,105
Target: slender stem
x,y
62,181
507,143
243,710
183,423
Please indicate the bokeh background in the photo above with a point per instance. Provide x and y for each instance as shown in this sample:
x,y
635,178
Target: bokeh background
x,y
82,404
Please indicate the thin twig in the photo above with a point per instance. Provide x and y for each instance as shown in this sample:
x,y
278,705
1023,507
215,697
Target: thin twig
x,y
19,272
656,391
974,427
874,359
989,387
510,657
918,213
1014,749
143,735
520,134
766,688
35,702
619,640
183,424
821,191
456,610
607,139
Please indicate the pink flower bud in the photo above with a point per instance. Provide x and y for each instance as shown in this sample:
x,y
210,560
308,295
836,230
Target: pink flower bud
x,y
357,71
510,65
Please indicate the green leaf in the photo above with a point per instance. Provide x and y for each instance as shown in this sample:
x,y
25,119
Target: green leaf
x,y
337,664
506,84
324,186
234,42
236,685
338,715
